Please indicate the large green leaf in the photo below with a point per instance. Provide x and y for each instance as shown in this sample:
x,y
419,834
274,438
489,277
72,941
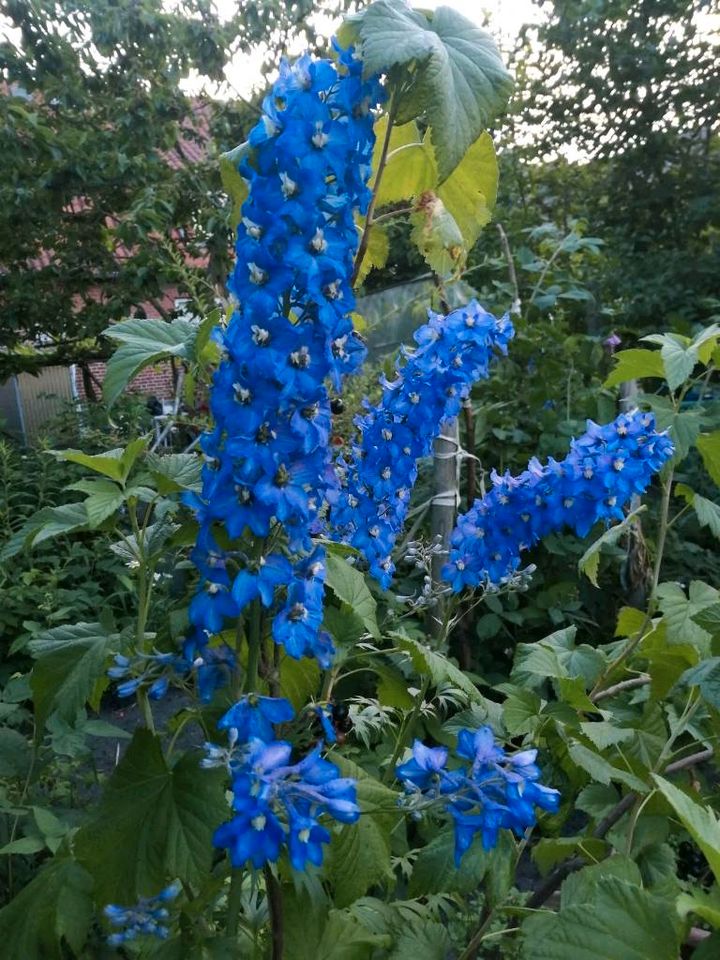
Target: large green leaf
x,y
53,912
69,662
680,610
709,446
435,871
176,471
359,854
701,823
349,586
312,932
469,192
600,769
48,523
458,82
410,167
153,823
620,922
635,364
144,342
678,357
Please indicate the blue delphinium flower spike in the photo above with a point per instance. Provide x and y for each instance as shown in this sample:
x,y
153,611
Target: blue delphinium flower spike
x,y
604,469
430,385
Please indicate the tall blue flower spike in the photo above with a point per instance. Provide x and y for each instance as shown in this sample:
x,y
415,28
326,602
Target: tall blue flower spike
x,y
277,804
430,384
268,462
603,470
492,791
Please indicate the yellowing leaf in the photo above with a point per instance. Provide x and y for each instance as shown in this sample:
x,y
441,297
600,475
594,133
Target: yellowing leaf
x,y
377,251
470,191
437,236
410,167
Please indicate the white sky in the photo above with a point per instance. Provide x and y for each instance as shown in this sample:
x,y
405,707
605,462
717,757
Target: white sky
x,y
506,17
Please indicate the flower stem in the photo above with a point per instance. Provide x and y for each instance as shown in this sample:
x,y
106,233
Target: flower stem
x,y
234,902
254,641
275,905
407,728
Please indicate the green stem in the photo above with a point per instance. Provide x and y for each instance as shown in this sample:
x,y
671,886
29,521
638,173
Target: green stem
x,y
364,240
275,905
146,709
234,903
254,641
407,728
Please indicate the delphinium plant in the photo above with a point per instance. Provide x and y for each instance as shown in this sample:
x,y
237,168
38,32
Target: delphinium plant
x,y
349,792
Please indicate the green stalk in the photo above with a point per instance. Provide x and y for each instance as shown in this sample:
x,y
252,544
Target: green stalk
x,y
234,903
254,641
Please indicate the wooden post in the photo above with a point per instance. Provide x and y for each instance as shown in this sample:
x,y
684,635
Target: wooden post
x,y
446,495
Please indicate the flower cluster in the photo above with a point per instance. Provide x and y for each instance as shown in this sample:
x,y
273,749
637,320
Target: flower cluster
x,y
146,917
277,803
603,470
430,385
494,791
268,456
151,670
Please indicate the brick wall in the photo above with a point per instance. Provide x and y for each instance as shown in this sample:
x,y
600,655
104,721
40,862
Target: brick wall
x,y
156,380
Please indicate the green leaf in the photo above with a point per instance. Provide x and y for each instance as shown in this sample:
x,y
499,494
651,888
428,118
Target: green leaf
x,y
428,662
679,610
437,236
603,733
48,523
69,661
153,823
422,940
597,799
25,846
459,81
469,192
705,676
144,342
434,870
703,903
700,822
55,909
679,362
521,712
410,167
684,424
709,446
359,854
589,562
706,511
621,922
601,770
314,933
349,586
299,679
635,364
580,887
234,183
176,471
709,619
15,753
392,688
377,251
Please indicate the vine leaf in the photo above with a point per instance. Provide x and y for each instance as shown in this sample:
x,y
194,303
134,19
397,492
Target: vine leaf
x,y
153,823
144,342
621,920
52,912
700,822
458,82
349,586
470,191
69,662
635,364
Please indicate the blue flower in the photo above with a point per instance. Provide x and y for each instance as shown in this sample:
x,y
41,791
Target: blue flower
x,y
279,804
603,470
148,917
430,386
495,791
254,716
